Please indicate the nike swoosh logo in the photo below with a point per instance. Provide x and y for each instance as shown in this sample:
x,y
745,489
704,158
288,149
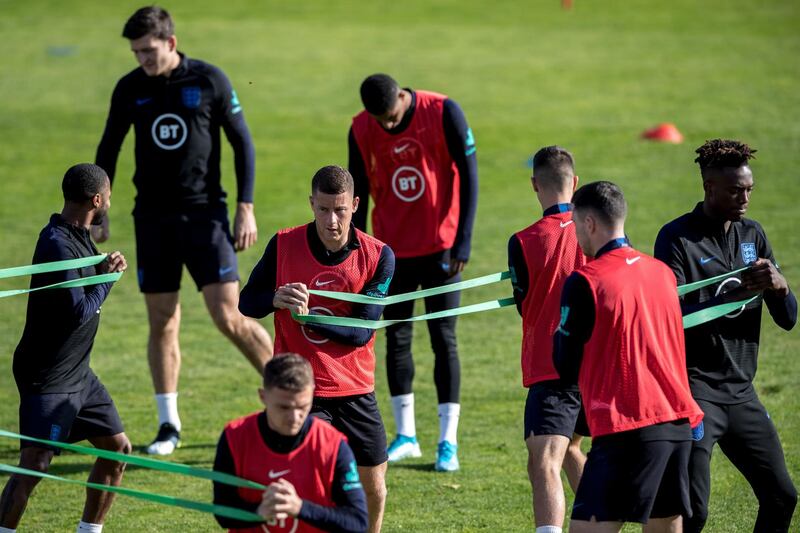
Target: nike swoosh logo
x,y
319,283
225,270
704,260
275,475
565,224
633,260
142,101
399,149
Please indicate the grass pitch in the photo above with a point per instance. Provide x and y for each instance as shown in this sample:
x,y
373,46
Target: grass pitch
x,y
527,74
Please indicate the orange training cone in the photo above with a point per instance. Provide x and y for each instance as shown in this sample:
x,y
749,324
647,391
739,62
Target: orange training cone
x,y
665,133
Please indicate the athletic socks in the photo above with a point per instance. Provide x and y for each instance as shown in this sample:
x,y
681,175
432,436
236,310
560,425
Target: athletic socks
x,y
167,404
403,410
86,527
548,529
7,530
448,421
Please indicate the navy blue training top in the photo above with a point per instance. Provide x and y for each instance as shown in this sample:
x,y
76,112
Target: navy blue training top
x,y
177,120
53,354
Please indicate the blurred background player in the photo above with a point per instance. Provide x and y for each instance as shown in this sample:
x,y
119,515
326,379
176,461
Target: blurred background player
x,y
722,355
331,254
414,153
61,399
540,257
307,464
177,106
621,333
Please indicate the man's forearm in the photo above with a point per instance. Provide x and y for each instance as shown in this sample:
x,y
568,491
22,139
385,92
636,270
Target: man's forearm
x,y
258,293
244,159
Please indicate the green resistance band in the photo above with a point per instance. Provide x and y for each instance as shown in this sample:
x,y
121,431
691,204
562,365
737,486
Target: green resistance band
x,y
689,321
154,464
691,287
56,266
221,510
377,324
706,315
397,298
53,266
80,282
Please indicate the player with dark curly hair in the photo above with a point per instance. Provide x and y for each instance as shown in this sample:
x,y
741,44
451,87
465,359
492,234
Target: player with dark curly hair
x,y
720,153
721,355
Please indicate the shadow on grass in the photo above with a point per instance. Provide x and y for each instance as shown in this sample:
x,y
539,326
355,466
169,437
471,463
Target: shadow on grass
x,y
766,390
427,467
9,455
63,469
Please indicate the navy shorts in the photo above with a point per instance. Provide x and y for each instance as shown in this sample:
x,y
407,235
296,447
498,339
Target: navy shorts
x,y
629,480
552,410
360,420
200,239
69,417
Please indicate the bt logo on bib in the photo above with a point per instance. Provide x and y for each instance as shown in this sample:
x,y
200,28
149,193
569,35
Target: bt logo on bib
x,y
169,131
408,183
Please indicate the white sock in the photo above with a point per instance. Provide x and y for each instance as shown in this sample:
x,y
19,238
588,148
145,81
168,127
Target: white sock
x,y
167,404
86,527
448,421
7,530
548,529
403,409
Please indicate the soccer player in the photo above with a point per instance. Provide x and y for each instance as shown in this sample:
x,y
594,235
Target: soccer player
x,y
540,257
307,464
177,106
621,339
61,399
415,154
712,240
331,254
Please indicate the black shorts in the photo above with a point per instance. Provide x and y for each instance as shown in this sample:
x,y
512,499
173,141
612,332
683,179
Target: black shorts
x,y
629,480
552,410
360,420
201,239
69,417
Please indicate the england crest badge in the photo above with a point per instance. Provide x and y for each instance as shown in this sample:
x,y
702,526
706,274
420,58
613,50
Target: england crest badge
x,y
749,254
191,97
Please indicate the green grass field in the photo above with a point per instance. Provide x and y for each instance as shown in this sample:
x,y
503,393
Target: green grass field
x,y
527,74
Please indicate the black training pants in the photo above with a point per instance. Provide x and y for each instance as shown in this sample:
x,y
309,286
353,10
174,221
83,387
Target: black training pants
x,y
409,274
747,437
